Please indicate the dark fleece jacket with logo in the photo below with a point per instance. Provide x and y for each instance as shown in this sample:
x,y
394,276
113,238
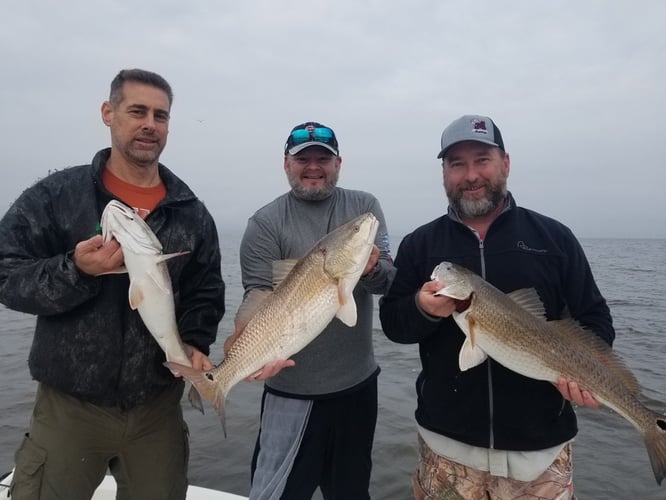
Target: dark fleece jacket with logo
x,y
489,405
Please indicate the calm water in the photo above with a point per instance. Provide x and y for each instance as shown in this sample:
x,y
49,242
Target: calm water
x,y
610,459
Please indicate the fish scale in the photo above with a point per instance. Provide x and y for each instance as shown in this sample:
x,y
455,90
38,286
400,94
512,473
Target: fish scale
x,y
311,300
497,325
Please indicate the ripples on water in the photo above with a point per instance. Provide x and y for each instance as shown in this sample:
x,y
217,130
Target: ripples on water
x,y
610,458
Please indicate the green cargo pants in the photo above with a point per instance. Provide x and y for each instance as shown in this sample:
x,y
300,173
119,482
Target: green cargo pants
x,y
72,443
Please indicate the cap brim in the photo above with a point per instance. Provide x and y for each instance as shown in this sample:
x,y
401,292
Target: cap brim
x,y
300,147
443,152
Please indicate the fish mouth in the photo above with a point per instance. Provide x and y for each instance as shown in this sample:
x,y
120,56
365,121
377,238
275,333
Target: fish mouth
x,y
463,304
123,210
373,230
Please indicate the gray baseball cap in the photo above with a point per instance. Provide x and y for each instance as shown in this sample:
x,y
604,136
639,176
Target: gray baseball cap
x,y
471,128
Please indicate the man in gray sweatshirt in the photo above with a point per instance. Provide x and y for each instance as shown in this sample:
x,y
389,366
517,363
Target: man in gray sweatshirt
x,y
319,409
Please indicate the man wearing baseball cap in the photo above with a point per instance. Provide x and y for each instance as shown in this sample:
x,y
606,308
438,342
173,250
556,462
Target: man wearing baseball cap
x,y
319,409
486,431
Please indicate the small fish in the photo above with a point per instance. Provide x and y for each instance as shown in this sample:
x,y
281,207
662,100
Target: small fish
x,y
512,329
150,290
315,290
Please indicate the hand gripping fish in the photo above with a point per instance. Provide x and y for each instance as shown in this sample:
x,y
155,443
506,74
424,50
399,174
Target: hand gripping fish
x,y
150,290
512,329
317,289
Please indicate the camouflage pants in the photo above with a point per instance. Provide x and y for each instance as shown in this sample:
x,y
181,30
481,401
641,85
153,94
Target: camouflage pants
x,y
437,478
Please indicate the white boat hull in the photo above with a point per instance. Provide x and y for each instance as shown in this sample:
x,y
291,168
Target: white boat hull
x,y
107,491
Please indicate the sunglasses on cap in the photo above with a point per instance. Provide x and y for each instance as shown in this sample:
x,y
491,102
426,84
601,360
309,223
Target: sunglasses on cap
x,y
318,134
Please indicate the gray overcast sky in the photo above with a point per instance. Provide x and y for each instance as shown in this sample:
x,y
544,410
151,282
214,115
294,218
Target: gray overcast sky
x,y
577,88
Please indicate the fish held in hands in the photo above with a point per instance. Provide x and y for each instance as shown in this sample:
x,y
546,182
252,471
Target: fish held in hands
x,y
512,329
271,326
150,290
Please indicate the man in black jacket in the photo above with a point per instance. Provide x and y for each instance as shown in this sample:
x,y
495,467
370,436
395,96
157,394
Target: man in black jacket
x,y
104,399
489,432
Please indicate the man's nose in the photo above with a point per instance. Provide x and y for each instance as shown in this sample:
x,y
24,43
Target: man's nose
x,y
149,122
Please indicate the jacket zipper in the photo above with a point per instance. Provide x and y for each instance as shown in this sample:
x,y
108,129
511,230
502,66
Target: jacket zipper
x,y
491,436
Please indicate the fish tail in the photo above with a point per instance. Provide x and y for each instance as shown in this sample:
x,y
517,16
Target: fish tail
x,y
194,398
193,395
655,442
203,385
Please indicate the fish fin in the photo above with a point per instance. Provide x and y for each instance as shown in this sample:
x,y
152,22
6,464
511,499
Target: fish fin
x,y
248,309
135,295
156,278
572,331
280,270
655,443
347,311
470,355
194,398
154,273
529,299
117,270
205,384
167,256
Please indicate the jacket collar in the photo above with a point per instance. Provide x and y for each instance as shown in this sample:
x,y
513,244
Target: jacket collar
x,y
177,190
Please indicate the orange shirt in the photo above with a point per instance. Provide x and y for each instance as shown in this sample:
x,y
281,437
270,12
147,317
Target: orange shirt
x,y
142,199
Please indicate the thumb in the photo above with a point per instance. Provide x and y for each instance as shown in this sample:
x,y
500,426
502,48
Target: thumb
x,y
92,244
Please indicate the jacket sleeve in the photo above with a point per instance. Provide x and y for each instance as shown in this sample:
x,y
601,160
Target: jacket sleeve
x,y
379,279
401,318
37,273
201,304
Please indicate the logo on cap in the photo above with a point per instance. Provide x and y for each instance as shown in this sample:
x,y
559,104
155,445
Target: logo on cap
x,y
479,126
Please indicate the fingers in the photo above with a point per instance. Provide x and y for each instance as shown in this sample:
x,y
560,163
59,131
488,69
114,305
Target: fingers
x,y
270,370
372,260
572,392
432,286
435,305
198,359
94,257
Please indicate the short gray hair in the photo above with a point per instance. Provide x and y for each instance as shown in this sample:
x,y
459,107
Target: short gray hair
x,y
138,76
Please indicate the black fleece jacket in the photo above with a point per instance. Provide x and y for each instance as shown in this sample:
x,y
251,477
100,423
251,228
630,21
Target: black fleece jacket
x,y
490,406
88,342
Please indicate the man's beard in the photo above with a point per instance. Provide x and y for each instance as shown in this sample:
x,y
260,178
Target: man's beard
x,y
312,194
470,209
143,157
